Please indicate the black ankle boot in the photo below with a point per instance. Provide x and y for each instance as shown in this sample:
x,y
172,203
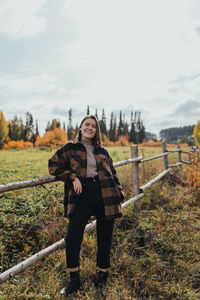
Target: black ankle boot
x,y
101,281
73,285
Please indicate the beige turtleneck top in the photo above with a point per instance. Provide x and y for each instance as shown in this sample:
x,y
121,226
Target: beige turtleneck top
x,y
91,161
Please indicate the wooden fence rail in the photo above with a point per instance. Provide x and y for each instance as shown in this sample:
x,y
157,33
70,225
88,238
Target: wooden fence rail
x,y
138,194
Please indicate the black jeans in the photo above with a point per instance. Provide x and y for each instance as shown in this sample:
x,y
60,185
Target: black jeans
x,y
90,204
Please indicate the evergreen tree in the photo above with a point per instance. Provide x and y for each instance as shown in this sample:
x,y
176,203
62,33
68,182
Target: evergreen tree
x,y
3,129
96,114
102,123
58,124
125,126
70,129
141,133
115,129
120,125
48,126
29,128
36,129
35,134
111,127
64,126
88,110
16,129
133,134
54,123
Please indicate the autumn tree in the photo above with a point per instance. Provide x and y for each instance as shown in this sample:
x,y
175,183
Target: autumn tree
x,y
196,133
52,138
3,129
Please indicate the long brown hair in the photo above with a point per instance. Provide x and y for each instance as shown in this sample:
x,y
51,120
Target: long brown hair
x,y
97,138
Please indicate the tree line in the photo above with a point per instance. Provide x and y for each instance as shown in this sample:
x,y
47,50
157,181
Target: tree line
x,y
178,135
16,130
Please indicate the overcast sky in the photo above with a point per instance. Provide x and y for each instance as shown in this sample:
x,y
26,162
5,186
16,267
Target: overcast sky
x,y
114,54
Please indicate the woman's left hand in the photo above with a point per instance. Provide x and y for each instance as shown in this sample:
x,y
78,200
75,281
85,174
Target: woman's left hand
x,y
77,186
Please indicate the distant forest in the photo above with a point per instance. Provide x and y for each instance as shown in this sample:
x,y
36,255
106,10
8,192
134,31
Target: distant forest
x,y
178,135
133,129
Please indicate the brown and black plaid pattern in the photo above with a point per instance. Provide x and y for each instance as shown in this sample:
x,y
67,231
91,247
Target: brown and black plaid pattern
x,y
70,161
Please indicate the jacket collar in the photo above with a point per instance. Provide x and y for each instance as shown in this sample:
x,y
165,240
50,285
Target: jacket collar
x,y
77,142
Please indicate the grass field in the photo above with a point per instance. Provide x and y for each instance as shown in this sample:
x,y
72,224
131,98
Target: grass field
x,y
155,250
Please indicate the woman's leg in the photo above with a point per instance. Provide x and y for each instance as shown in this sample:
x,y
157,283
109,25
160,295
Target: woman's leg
x,y
104,239
75,233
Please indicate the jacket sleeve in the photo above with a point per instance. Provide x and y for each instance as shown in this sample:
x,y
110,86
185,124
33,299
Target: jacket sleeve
x,y
59,166
115,177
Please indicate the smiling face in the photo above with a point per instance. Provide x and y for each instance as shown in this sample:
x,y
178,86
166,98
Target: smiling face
x,y
88,129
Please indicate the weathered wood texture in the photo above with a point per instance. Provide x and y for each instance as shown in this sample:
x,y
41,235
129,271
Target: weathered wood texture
x,y
134,154
154,157
175,165
175,150
154,180
186,162
25,184
179,153
127,161
165,158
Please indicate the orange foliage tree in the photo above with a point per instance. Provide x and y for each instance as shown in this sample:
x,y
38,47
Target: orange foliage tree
x,y
55,137
17,145
193,172
151,143
196,133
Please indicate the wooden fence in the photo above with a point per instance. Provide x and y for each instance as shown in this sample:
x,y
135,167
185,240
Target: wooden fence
x,y
138,192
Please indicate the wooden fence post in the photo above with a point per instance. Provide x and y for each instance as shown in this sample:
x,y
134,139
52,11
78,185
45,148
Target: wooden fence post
x,y
134,154
164,147
179,153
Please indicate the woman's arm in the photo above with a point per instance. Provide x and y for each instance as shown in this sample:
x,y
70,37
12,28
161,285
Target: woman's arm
x,y
59,166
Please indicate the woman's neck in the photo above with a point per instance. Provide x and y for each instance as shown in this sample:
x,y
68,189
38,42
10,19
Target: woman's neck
x,y
88,142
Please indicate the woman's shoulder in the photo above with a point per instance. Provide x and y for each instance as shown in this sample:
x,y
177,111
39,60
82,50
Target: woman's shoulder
x,y
70,146
103,150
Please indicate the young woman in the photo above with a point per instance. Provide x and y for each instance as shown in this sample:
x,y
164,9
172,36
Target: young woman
x,y
91,188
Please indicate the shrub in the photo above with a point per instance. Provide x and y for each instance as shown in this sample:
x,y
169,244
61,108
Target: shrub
x,y
17,145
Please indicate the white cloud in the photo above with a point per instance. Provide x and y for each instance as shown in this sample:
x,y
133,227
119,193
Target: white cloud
x,y
141,55
26,84
21,19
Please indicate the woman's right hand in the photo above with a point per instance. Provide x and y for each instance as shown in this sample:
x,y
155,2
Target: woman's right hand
x,y
77,186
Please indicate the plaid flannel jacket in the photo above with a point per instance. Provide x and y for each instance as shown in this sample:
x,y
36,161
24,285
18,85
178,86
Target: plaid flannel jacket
x,y
71,161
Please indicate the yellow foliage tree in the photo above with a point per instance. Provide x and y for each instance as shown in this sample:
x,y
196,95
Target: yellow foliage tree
x,y
3,129
196,133
56,137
